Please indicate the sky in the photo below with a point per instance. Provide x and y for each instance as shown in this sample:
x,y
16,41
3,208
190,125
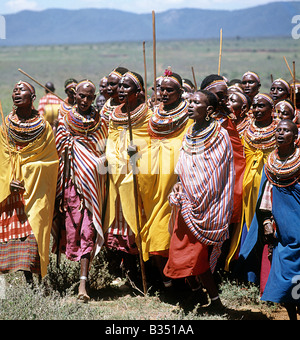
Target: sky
x,y
136,6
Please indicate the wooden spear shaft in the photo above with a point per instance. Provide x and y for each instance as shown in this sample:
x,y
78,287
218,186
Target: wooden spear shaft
x,y
137,216
220,53
287,64
37,82
7,142
154,55
194,77
145,69
294,82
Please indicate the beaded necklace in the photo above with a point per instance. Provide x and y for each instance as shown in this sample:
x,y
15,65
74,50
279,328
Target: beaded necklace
x,y
164,124
261,138
107,110
198,141
242,126
120,118
283,173
24,132
79,124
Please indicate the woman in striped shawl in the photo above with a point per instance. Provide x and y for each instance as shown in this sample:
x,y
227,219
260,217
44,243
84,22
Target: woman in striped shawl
x,y
202,199
82,134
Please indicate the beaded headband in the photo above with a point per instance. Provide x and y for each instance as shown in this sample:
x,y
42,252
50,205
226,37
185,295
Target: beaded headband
x,y
266,97
286,84
30,87
135,79
69,86
255,75
215,83
85,83
116,73
187,85
282,102
243,97
169,75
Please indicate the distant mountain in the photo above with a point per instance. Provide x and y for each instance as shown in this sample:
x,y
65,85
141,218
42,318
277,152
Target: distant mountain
x,y
57,26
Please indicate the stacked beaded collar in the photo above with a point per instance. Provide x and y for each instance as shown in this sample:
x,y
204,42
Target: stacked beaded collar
x,y
24,132
198,141
79,124
242,126
107,110
120,118
283,173
164,124
261,138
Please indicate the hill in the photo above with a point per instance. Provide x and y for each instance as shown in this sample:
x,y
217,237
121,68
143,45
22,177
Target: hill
x,y
57,26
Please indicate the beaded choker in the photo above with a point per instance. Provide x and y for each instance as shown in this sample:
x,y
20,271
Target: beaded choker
x,y
79,124
163,124
24,132
198,141
283,173
120,118
261,138
242,126
107,110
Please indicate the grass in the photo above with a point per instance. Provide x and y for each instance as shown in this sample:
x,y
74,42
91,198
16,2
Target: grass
x,y
55,299
59,62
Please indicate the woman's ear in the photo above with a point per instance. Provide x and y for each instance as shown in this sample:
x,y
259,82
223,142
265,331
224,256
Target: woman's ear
x,y
210,110
244,109
33,97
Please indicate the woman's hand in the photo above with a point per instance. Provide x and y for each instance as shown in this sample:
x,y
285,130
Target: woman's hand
x,y
17,186
177,188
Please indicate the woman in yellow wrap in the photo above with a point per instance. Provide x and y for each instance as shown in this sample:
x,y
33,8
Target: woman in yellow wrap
x,y
120,219
29,167
167,127
259,142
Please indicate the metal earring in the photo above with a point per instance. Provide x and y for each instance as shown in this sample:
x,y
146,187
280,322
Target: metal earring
x,y
207,118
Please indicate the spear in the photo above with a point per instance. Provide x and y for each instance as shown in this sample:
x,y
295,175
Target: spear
x,y
194,77
294,83
154,55
145,68
135,188
37,82
220,53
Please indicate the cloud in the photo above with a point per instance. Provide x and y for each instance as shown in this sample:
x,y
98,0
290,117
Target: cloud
x,y
21,5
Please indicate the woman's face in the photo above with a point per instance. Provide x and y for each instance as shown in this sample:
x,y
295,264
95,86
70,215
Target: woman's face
x,y
221,92
22,97
127,89
262,109
235,103
284,111
279,91
112,85
85,97
284,134
199,108
250,85
103,86
170,92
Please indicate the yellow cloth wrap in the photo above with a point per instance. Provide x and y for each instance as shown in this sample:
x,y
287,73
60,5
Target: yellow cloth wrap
x,y
37,165
121,176
157,186
255,161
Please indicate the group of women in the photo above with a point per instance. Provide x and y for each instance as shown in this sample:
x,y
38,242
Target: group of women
x,y
216,169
